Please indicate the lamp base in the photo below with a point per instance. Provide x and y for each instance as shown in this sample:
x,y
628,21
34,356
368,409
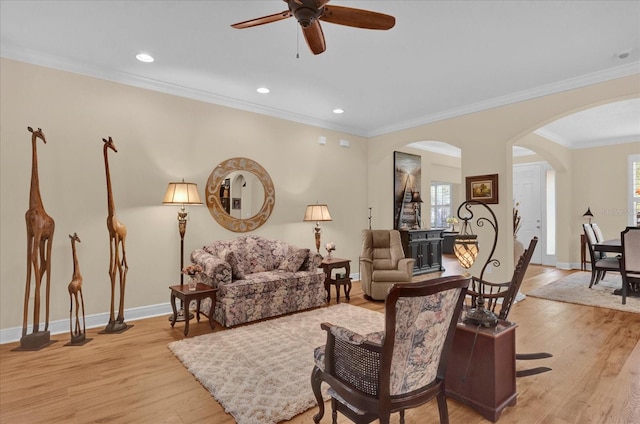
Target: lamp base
x,y
181,316
481,316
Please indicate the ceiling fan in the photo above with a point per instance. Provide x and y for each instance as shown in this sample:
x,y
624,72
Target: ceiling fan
x,y
309,13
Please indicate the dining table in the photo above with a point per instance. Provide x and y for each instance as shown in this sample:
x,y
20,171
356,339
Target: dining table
x,y
611,246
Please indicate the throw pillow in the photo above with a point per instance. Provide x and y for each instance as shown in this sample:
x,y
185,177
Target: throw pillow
x,y
237,272
294,259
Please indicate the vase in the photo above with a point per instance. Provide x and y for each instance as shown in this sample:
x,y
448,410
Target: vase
x,y
192,283
329,254
518,249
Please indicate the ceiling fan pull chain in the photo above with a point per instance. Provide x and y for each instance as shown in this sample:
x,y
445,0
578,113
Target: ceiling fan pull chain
x,y
297,42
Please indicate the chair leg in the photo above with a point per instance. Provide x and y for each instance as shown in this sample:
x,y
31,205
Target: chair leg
x,y
316,381
593,278
334,411
402,416
442,407
624,290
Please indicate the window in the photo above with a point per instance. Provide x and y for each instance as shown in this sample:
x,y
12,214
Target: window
x,y
440,204
634,190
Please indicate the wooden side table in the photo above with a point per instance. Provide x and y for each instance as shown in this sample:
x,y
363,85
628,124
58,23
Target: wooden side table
x,y
202,291
583,253
329,264
481,371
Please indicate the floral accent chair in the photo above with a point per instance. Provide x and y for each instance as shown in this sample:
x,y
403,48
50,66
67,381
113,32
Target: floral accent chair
x,y
371,376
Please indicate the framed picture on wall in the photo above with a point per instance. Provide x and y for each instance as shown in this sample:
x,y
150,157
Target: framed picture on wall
x,y
236,203
483,188
407,171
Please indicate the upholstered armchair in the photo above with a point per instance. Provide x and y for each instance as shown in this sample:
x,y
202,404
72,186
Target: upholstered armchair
x,y
382,262
371,376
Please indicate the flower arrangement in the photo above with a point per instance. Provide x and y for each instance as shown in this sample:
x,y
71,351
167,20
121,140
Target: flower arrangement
x,y
331,246
516,219
192,269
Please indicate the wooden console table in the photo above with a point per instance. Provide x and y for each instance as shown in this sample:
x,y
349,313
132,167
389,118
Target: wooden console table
x,y
329,264
481,371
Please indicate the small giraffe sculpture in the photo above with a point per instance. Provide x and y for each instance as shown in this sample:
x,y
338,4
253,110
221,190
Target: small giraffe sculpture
x,y
78,334
117,237
40,227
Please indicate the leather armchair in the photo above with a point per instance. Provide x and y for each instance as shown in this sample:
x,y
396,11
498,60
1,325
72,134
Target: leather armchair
x,y
383,263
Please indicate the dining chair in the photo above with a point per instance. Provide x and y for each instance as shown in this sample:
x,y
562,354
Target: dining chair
x,y
598,232
599,265
599,239
630,260
374,375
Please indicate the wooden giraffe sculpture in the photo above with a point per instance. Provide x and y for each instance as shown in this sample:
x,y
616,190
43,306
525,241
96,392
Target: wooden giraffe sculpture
x,y
78,334
117,237
40,227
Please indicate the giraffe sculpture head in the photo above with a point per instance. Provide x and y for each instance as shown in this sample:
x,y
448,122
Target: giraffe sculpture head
x,y
74,237
37,134
109,144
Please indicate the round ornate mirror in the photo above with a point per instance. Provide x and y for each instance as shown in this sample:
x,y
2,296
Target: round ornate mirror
x,y
240,194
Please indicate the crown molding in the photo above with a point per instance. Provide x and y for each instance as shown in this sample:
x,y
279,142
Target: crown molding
x,y
51,61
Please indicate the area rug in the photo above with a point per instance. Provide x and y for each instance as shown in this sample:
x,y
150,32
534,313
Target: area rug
x,y
574,288
261,373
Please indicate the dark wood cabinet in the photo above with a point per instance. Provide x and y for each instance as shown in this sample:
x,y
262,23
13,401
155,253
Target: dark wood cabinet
x,y
425,246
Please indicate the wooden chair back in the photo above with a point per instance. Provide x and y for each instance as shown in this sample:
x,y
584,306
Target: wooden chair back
x,y
503,294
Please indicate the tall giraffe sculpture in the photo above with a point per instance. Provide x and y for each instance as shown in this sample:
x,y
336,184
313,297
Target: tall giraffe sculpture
x,y
78,334
117,238
40,227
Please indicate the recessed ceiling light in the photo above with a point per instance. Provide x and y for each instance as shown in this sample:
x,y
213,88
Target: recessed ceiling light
x,y
338,110
263,90
144,57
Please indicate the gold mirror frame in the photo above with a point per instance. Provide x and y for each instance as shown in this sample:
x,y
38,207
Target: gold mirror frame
x,y
216,178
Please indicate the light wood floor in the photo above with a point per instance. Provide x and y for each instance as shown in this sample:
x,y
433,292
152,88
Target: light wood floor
x,y
133,377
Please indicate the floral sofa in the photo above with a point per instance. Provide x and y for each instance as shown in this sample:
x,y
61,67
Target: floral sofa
x,y
258,278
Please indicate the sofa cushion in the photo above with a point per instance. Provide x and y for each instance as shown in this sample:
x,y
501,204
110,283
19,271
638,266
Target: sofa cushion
x,y
294,259
237,272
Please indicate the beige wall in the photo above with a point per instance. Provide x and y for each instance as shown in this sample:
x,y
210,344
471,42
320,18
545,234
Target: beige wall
x,y
162,138
486,139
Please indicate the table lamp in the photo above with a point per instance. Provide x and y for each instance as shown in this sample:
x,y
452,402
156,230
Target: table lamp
x,y
317,213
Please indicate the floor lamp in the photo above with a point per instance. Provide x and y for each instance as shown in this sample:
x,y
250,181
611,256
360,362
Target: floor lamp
x,y
182,194
465,247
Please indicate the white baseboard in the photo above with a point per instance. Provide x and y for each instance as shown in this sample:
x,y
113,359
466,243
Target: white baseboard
x,y
9,335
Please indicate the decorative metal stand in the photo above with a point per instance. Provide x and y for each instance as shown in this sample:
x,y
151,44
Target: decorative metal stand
x,y
466,250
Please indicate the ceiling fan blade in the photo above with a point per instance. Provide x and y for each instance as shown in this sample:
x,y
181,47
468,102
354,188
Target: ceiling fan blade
x,y
315,38
358,18
263,20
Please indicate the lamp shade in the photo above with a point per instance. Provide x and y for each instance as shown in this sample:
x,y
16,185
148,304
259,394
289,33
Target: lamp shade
x,y
182,194
317,213
415,197
465,247
588,213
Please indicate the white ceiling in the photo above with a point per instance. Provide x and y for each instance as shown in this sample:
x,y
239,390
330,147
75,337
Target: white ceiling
x,y
442,59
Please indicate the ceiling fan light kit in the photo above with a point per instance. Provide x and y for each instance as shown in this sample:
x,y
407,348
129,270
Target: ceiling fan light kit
x,y
309,13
